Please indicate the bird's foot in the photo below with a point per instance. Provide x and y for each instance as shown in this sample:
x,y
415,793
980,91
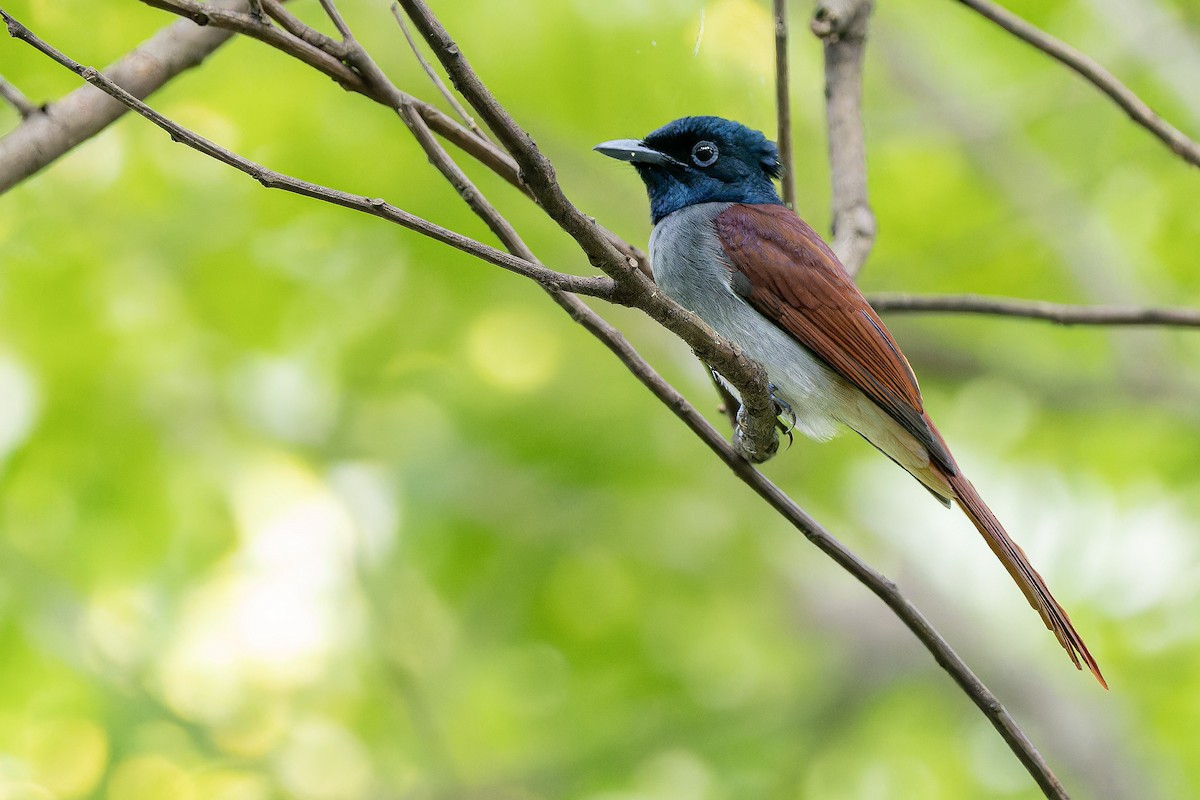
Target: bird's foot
x,y
745,445
783,409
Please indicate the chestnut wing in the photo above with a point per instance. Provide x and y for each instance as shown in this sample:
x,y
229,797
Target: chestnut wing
x,y
788,274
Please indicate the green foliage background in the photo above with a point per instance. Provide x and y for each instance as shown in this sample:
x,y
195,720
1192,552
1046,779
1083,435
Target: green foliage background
x,y
296,504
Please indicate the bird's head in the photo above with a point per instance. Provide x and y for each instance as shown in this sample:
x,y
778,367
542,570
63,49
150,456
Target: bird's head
x,y
701,160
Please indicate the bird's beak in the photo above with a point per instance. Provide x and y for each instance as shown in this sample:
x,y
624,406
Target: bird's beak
x,y
635,152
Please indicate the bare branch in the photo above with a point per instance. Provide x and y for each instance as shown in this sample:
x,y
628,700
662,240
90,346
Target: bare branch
x,y
884,589
242,22
441,86
540,176
1036,309
842,26
335,16
293,25
1095,74
326,55
783,104
42,138
599,287
545,188
17,99
634,288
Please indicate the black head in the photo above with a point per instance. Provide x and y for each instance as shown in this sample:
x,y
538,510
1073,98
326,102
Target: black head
x,y
701,160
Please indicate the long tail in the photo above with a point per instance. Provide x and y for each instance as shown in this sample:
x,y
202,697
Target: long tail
x,y
1018,566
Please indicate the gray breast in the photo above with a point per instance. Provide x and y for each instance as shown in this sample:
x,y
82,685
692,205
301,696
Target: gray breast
x,y
691,267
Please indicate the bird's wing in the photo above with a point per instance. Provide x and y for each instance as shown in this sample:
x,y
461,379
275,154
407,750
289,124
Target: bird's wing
x,y
786,272
783,269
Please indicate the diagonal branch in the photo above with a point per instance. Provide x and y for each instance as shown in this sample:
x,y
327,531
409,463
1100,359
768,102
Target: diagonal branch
x,y
327,55
757,433
42,138
335,17
540,177
1098,76
1060,313
296,27
17,99
883,588
559,284
783,104
842,26
434,78
324,54
600,287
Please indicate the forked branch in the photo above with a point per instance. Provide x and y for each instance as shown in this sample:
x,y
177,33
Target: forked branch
x,y
1137,109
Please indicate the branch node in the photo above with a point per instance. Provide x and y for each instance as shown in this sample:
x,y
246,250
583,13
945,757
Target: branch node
x,y
838,20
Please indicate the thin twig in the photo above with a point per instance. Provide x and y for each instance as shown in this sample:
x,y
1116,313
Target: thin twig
x,y
42,138
1098,76
242,22
335,16
17,99
575,308
598,287
326,55
293,25
1059,313
842,26
438,83
783,104
544,185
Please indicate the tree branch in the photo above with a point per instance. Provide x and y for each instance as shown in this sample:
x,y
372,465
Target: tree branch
x,y
876,582
293,25
1036,309
597,286
757,434
335,17
326,55
1095,74
842,26
436,79
540,176
783,105
42,138
559,283
17,99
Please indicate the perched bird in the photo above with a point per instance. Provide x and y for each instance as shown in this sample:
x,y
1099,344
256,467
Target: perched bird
x,y
725,247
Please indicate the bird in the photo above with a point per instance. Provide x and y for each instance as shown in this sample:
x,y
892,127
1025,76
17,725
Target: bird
x,y
725,247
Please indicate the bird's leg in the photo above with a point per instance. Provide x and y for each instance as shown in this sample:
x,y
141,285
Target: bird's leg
x,y
730,402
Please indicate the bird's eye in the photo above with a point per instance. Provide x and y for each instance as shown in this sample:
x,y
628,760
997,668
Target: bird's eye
x,y
704,154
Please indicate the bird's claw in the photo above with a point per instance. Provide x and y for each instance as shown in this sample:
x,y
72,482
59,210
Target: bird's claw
x,y
783,409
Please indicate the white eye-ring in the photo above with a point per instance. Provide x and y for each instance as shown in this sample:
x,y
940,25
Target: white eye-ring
x,y
704,154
